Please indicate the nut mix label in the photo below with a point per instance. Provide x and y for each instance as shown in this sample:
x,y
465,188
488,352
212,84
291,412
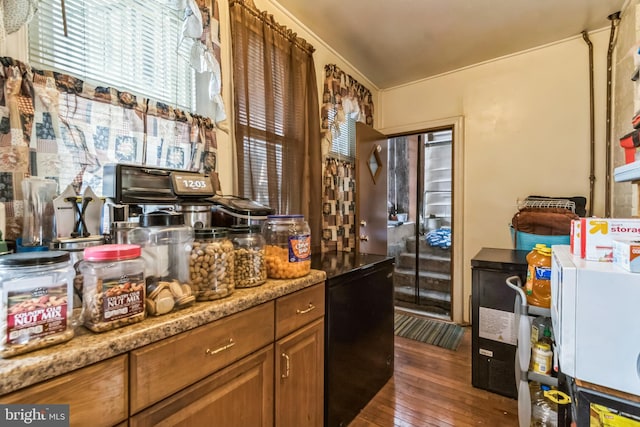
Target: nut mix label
x,y
123,297
36,313
299,248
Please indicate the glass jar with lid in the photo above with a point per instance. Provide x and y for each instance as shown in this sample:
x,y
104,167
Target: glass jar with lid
x,y
166,244
250,267
288,246
114,287
211,264
36,301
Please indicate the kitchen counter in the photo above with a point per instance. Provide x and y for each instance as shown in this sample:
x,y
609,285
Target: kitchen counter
x,y
87,347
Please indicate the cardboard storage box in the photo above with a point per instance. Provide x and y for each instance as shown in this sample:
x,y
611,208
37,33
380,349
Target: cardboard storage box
x,y
595,236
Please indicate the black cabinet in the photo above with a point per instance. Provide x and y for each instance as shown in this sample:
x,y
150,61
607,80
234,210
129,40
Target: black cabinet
x,y
359,334
493,342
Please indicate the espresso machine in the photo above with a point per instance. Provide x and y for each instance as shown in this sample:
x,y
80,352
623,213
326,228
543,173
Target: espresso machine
x,y
133,190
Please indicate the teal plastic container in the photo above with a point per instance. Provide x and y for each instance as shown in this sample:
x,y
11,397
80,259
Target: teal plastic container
x,y
527,241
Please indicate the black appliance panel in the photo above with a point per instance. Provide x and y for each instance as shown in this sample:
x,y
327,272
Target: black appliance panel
x,y
359,339
493,362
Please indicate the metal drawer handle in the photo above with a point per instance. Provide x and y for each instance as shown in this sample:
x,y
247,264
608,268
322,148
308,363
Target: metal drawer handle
x,y
210,352
305,311
287,366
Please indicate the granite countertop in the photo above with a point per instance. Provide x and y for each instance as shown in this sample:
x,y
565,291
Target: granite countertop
x,y
86,347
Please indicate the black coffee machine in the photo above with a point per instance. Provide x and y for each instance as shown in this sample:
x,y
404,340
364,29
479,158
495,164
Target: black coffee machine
x,y
132,190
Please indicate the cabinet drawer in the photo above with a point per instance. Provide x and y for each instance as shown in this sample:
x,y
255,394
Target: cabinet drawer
x,y
159,370
238,395
96,394
298,309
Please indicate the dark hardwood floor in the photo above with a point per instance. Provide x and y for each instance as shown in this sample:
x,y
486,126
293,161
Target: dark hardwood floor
x,y
431,386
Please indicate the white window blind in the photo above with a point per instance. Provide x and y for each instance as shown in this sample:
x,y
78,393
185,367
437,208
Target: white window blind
x,y
344,141
131,45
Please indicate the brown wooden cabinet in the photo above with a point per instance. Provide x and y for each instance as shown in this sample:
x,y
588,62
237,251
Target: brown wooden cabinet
x,y
261,367
163,368
299,366
97,394
300,377
239,395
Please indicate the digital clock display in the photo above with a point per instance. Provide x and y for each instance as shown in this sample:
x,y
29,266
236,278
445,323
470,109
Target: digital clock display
x,y
185,184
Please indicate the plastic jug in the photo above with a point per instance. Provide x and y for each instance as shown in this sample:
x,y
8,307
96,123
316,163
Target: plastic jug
x,y
538,285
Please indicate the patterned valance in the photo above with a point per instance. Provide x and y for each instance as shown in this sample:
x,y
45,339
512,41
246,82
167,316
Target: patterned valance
x,y
343,97
56,126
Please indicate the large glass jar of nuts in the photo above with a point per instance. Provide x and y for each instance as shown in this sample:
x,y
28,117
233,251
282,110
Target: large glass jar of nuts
x,y
250,267
36,301
114,287
211,264
288,246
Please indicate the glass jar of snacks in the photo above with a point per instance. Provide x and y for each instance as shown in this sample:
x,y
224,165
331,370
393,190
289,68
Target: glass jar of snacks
x,y
211,264
250,267
288,246
114,287
166,245
36,301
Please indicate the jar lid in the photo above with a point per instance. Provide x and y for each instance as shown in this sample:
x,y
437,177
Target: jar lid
x,y
210,233
111,252
32,259
161,219
294,216
76,244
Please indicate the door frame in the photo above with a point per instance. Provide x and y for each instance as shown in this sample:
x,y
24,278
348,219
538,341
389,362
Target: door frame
x,y
460,305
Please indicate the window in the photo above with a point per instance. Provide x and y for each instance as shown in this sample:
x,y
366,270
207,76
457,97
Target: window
x,y
132,45
344,139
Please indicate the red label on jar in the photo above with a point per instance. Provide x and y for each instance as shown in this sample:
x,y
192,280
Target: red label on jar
x,y
122,297
299,248
36,313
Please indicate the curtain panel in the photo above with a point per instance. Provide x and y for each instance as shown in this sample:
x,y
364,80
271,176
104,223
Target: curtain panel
x,y
56,126
276,116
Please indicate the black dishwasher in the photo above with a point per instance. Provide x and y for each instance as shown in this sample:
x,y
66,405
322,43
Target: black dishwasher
x,y
358,331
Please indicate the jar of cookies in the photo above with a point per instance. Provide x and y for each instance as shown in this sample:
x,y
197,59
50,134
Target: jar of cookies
x,y
211,264
36,301
114,287
250,267
166,244
288,246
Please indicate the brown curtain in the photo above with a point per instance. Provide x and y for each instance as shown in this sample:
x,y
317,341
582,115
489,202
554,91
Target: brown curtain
x,y
276,116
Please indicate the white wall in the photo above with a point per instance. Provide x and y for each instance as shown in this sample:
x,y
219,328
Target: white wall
x,y
526,131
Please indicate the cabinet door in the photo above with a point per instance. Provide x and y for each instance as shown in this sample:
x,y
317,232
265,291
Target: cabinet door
x,y
97,394
240,395
300,377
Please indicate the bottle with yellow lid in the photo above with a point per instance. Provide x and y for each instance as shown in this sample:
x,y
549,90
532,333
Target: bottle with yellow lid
x,y
538,285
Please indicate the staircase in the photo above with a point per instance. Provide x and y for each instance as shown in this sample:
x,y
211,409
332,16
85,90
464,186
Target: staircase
x,y
434,278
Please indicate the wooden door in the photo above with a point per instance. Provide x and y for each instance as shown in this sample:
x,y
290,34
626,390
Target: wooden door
x,y
299,376
371,190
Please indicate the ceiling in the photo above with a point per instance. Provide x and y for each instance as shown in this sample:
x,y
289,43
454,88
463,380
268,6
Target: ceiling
x,y
392,42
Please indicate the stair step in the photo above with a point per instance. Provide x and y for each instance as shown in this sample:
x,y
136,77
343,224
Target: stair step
x,y
426,262
439,302
427,280
425,248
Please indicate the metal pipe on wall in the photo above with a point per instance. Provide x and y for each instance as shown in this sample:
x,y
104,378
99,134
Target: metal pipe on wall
x,y
614,18
592,140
